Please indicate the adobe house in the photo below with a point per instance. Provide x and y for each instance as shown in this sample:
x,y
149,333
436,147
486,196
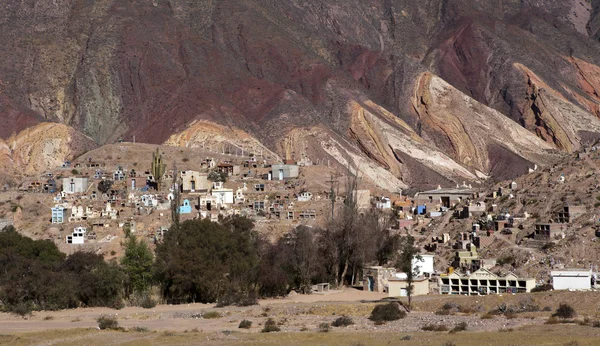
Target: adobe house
x,y
483,282
375,278
194,181
443,197
398,286
570,212
284,171
547,231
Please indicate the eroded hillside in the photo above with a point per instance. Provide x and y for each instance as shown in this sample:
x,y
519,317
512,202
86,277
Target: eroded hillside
x,y
416,94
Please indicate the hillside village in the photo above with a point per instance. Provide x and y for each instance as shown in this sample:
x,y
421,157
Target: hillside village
x,y
539,230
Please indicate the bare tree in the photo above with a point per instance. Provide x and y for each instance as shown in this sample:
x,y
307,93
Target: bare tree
x,y
353,237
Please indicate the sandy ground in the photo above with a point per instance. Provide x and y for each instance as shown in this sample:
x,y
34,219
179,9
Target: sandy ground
x,y
306,312
166,317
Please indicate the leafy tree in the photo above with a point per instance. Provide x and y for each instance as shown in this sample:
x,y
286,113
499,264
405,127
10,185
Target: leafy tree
x,y
217,176
408,251
98,283
137,266
304,260
105,185
202,261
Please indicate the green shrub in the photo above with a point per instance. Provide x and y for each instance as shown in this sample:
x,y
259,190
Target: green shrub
x,y
342,321
245,324
431,327
270,326
107,322
564,311
387,312
211,314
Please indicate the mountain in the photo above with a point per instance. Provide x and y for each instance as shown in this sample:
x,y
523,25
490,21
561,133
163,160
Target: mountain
x,y
412,94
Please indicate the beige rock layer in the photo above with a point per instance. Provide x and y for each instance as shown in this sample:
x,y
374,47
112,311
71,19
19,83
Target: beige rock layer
x,y
42,147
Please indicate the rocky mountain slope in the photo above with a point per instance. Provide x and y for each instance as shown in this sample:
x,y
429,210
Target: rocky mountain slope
x,y
409,93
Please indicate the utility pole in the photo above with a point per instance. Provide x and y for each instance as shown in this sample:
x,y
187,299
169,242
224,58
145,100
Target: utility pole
x,y
332,194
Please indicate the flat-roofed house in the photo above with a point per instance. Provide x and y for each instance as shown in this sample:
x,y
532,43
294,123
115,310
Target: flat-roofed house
x,y
573,279
443,197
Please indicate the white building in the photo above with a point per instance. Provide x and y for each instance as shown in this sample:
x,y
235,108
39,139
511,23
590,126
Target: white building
x,y
77,237
384,203
305,196
572,279
423,266
223,195
75,185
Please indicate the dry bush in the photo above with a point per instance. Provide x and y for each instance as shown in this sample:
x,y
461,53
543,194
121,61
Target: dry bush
x,y
431,327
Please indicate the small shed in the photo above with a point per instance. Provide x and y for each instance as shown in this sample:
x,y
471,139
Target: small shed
x,y
572,279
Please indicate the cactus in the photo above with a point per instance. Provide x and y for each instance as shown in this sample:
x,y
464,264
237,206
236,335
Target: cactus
x,y
158,168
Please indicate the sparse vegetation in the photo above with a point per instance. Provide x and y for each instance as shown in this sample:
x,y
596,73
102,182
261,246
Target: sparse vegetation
x,y
270,326
139,329
211,315
107,322
431,327
324,327
342,321
245,324
460,327
564,311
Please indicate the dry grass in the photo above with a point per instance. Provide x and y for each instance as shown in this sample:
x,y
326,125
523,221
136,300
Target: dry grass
x,y
538,335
